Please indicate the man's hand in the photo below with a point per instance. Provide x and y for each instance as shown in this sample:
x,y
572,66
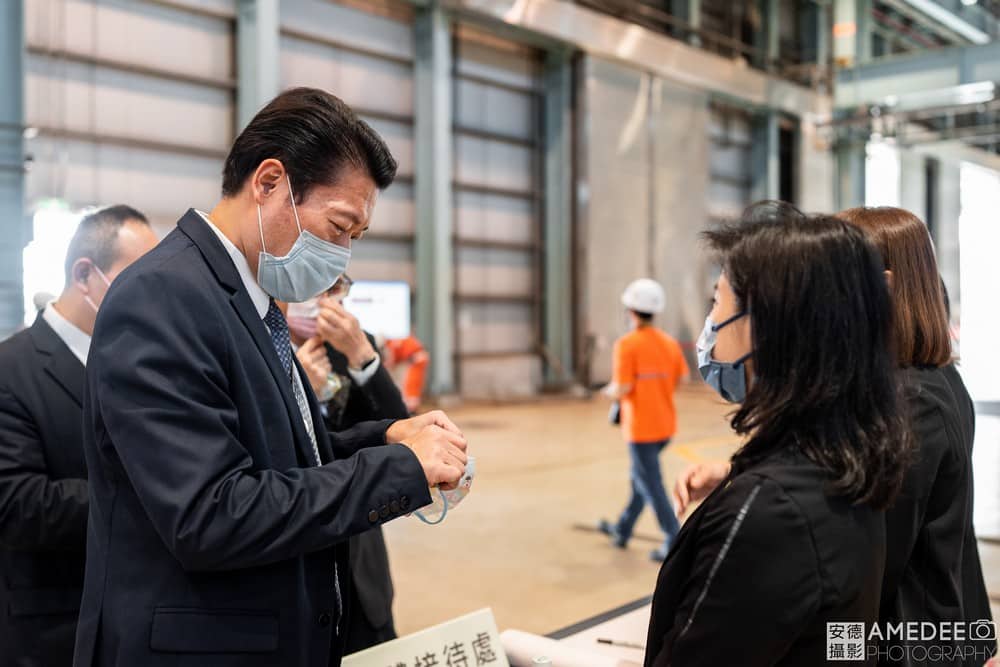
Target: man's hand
x,y
315,362
697,482
438,443
342,330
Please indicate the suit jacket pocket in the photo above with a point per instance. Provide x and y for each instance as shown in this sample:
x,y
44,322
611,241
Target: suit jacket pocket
x,y
187,630
44,601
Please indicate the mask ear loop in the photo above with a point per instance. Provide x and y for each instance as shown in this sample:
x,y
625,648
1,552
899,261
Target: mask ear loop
x,y
444,499
292,197
728,321
260,226
107,283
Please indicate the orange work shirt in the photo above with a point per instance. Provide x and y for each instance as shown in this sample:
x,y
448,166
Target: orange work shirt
x,y
410,350
652,363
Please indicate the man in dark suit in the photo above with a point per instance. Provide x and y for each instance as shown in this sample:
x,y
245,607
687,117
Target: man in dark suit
x,y
219,505
347,374
43,487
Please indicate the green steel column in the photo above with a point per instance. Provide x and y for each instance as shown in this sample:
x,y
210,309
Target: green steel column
x,y
558,142
14,224
850,186
258,56
435,309
764,157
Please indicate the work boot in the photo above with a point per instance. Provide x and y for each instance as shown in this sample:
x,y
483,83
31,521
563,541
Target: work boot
x,y
659,554
611,531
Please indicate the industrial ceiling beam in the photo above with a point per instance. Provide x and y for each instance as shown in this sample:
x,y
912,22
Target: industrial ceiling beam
x,y
643,49
872,82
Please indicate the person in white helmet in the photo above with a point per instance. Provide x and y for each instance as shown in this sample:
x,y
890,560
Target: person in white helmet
x,y
648,364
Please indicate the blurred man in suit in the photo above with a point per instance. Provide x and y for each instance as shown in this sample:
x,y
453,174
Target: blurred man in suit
x,y
220,506
353,386
43,487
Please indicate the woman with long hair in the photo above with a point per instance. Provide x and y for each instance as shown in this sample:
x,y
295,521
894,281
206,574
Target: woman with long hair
x,y
933,572
794,537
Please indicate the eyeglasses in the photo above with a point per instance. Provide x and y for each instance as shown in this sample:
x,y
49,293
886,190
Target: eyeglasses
x,y
341,288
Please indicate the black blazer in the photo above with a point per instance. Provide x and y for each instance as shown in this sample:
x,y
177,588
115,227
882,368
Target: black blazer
x,y
379,398
212,541
933,572
761,567
43,498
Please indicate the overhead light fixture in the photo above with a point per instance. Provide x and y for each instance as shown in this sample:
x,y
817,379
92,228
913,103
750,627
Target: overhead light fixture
x,y
966,94
950,20
969,3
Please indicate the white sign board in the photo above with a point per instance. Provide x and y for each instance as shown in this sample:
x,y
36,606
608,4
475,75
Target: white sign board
x,y
382,307
469,641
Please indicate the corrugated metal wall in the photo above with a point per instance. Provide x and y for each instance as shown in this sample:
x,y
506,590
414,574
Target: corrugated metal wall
x,y
730,140
497,190
364,54
132,102
646,168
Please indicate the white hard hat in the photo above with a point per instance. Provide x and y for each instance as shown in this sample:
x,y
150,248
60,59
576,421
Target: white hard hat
x,y
644,296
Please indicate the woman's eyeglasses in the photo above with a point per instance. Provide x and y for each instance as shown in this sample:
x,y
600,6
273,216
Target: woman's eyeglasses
x,y
341,288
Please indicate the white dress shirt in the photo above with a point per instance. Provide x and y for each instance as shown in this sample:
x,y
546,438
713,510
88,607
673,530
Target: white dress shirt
x,y
76,339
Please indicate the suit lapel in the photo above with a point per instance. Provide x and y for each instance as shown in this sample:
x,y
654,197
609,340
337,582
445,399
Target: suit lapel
x,y
61,364
262,338
222,266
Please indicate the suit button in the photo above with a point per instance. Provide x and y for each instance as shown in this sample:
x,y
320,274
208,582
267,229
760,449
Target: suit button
x,y
325,619
394,507
404,502
384,512
373,516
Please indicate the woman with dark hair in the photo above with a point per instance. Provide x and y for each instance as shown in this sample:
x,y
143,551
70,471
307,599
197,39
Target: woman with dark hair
x,y
793,539
932,572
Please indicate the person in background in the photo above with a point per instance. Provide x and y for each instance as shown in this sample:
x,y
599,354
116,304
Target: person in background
x,y
41,300
648,364
43,478
933,570
353,386
409,352
793,538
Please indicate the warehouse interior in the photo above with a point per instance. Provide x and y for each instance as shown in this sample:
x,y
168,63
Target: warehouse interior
x,y
550,152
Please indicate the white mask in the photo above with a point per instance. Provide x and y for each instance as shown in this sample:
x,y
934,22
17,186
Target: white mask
x,y
435,513
107,284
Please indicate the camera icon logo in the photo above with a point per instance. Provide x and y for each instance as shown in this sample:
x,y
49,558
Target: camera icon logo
x,y
983,630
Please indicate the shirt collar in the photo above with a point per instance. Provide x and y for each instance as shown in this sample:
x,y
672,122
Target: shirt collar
x,y
261,301
76,339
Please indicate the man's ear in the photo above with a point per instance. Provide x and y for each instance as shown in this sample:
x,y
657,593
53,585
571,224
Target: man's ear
x,y
80,274
266,178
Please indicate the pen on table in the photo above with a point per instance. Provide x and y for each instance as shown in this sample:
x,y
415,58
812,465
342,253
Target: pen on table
x,y
613,642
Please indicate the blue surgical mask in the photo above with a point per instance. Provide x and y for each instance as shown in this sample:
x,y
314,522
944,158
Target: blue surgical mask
x,y
729,379
435,513
310,267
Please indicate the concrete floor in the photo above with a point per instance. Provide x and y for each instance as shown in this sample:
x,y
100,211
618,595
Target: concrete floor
x,y
522,542
543,469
